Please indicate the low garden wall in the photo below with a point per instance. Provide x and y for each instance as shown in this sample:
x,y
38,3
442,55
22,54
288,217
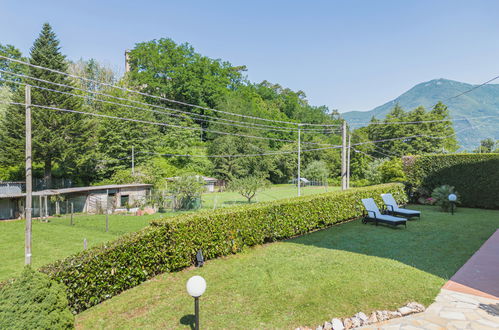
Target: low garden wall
x,y
475,176
170,244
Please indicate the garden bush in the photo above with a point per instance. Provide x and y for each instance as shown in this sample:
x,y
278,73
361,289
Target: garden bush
x,y
34,301
475,176
440,196
95,275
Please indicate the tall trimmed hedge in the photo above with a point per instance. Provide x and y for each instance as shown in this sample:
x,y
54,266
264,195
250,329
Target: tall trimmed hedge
x,y
95,275
475,176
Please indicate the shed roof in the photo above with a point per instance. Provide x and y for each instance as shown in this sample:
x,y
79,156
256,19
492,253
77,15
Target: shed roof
x,y
51,192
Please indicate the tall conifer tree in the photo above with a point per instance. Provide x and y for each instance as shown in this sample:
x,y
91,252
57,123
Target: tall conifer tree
x,y
58,138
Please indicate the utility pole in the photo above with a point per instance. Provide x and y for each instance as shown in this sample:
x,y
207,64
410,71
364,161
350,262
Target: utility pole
x,y
127,61
348,161
29,182
107,210
133,161
344,156
299,159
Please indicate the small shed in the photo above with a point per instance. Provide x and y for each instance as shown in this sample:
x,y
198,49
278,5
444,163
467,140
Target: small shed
x,y
93,199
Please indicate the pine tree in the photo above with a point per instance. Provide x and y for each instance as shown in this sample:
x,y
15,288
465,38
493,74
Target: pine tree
x,y
58,138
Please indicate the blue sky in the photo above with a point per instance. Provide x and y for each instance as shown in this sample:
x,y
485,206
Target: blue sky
x,y
348,55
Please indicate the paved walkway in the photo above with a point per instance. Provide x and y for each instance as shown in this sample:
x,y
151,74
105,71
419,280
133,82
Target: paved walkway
x,y
469,300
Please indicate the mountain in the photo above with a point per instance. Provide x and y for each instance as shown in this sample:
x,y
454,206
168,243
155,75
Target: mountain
x,y
481,102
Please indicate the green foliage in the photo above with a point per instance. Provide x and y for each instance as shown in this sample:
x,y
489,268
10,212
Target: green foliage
x,y
34,301
248,186
392,171
97,274
441,196
60,138
10,66
317,170
487,146
186,188
422,138
372,171
482,102
475,176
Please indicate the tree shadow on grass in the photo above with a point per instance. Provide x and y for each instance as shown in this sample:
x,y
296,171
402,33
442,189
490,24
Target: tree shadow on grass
x,y
188,319
438,243
236,202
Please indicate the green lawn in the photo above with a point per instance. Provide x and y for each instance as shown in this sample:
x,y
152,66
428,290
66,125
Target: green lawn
x,y
306,280
279,191
57,239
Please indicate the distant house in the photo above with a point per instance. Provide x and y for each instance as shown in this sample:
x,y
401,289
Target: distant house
x,y
209,183
92,199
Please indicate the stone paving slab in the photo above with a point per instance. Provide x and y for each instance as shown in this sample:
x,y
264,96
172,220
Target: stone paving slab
x,y
452,310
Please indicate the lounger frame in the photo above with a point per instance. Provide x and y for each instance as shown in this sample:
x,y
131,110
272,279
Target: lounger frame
x,y
391,211
368,218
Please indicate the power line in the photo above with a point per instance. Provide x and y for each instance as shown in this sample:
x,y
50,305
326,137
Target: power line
x,y
447,99
159,97
276,128
237,155
161,124
139,108
472,89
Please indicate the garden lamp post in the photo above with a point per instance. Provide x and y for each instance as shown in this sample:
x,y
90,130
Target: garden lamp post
x,y
196,286
452,199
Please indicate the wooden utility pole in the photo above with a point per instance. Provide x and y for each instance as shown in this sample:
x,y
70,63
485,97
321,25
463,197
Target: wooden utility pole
x,y
299,160
344,156
107,210
133,161
348,160
29,178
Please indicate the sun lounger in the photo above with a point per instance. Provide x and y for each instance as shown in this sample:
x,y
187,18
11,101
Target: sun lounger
x,y
375,215
393,209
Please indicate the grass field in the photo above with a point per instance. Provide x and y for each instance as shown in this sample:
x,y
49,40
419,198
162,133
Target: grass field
x,y
279,191
304,281
57,239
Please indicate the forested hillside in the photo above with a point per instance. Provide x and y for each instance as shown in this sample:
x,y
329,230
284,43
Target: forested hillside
x,y
477,111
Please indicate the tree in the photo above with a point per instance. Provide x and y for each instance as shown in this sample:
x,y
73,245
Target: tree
x,y
186,188
58,138
414,132
248,186
10,66
487,146
392,171
316,170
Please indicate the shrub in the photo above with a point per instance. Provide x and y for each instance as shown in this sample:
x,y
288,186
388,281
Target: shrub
x,y
392,171
34,301
475,176
440,196
317,171
186,189
248,186
170,244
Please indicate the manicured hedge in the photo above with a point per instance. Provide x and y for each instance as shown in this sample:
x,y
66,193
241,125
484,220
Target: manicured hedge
x,y
97,274
475,176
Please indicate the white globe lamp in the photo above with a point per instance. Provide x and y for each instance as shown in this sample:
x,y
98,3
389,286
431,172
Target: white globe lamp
x,y
196,286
